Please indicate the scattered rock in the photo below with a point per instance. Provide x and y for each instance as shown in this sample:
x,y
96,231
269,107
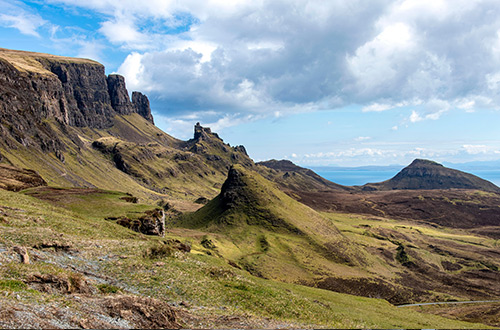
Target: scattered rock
x,y
142,312
202,200
62,284
60,156
23,254
151,223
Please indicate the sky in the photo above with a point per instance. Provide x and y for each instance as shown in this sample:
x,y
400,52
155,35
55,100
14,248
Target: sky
x,y
346,83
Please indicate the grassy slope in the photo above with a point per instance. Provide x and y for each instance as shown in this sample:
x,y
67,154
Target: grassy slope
x,y
27,61
159,166
115,255
161,169
366,248
274,236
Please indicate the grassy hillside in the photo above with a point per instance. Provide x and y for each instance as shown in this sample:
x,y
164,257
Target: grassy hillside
x,y
30,62
133,156
252,257
269,233
256,226
81,265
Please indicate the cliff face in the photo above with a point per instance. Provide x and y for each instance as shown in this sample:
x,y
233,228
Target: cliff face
x,y
75,92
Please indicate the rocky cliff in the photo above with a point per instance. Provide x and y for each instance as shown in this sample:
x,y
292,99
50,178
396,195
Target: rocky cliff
x,y
37,87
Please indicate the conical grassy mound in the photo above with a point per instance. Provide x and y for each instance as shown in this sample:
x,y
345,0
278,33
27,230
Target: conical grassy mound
x,y
251,222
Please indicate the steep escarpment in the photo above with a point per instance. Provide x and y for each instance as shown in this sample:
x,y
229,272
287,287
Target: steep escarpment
x,y
120,101
65,119
37,87
426,174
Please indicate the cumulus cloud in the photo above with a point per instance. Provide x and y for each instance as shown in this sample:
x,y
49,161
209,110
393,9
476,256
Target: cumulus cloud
x,y
253,57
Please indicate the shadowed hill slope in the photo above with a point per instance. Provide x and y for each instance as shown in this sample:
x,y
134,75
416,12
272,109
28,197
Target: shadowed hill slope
x,y
295,178
426,174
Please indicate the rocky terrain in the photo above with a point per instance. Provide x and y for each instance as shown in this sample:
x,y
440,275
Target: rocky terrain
x,y
107,221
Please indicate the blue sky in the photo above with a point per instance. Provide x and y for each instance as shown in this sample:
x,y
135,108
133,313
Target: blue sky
x,y
346,83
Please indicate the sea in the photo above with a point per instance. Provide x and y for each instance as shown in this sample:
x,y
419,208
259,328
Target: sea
x,y
358,177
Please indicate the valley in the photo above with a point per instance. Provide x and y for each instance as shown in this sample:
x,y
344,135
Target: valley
x,y
109,222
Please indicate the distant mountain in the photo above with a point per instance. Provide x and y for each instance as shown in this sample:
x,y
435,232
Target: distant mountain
x,y
292,177
427,174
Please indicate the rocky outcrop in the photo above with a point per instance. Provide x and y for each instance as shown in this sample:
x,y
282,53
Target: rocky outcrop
x,y
84,100
120,100
141,105
215,151
15,179
35,87
151,223
203,133
118,94
427,174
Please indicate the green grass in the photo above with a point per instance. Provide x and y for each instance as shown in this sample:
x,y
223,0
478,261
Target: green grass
x,y
204,281
306,247
12,285
103,203
106,288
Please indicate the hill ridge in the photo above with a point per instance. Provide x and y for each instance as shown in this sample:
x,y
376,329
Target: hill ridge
x,y
427,174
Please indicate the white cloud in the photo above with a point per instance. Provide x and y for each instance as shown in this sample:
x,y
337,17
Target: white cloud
x,y
123,31
132,69
475,149
362,138
432,110
377,63
26,23
415,117
377,107
254,57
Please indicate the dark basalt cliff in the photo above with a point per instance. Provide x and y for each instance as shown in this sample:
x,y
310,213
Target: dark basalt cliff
x,y
76,92
426,174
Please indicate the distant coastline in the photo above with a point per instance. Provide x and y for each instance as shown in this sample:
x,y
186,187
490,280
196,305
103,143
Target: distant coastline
x,y
357,176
